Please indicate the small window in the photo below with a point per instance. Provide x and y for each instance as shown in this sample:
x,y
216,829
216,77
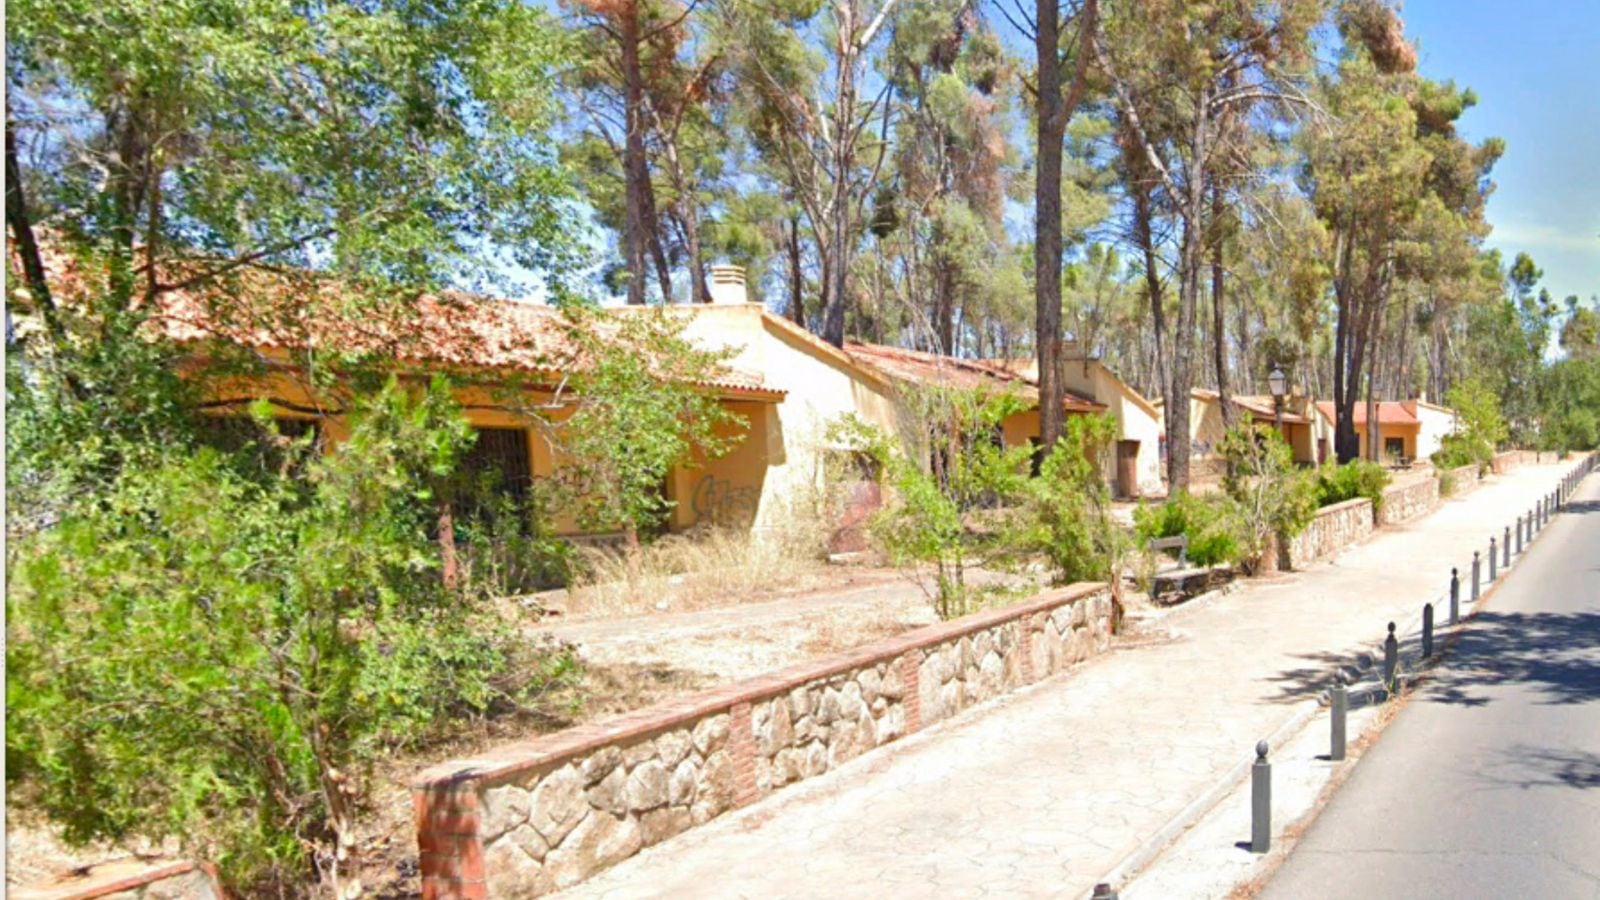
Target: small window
x,y
1394,446
236,434
500,456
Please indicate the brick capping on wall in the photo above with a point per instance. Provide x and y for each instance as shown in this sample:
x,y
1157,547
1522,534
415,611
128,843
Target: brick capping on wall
x,y
174,880
540,815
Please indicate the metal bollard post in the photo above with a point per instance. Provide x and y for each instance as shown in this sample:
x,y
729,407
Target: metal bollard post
x,y
1494,558
1519,535
1339,701
1261,801
1475,573
1455,597
1391,659
1103,891
1427,630
1505,549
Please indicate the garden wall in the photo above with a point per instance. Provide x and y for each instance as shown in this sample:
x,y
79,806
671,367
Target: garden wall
x,y
542,815
1408,501
1334,528
1465,478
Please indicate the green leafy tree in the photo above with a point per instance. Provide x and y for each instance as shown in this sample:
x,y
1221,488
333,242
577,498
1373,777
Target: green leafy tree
x,y
1274,498
1480,429
1068,506
952,497
201,655
637,410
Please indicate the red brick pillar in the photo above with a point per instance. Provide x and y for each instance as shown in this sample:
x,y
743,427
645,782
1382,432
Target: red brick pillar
x,y
910,665
742,745
451,855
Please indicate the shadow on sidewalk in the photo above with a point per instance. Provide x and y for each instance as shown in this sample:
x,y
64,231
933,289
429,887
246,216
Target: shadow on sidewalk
x,y
1556,654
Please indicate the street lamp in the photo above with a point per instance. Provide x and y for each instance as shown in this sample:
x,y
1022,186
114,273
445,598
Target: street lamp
x,y
1279,384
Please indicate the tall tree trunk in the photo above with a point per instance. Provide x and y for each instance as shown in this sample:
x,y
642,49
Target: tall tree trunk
x,y
1219,326
1144,234
639,213
1052,111
797,309
843,154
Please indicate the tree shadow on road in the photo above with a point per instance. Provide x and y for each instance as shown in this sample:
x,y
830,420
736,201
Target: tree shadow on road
x,y
1525,766
1556,654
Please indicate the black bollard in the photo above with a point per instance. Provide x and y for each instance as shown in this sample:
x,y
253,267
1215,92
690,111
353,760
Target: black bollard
x,y
1519,535
1505,548
1475,579
1339,705
1455,597
1391,660
1494,558
1427,630
1103,891
1261,802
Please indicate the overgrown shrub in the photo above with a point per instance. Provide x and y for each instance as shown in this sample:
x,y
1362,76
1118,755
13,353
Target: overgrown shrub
x,y
1356,478
197,654
1272,495
1211,523
950,503
1068,504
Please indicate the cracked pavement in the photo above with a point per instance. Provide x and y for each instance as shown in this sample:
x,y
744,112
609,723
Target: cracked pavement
x,y
1045,790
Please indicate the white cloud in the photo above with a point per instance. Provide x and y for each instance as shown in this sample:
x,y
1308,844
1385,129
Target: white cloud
x,y
1546,237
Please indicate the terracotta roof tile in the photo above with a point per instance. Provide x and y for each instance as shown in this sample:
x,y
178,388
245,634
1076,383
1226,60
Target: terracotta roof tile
x,y
1390,412
930,368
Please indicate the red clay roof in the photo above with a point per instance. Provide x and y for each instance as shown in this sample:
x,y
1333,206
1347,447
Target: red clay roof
x,y
270,309
1390,412
930,368
1258,405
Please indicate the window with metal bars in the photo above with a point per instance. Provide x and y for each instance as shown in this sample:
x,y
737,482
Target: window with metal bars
x,y
500,455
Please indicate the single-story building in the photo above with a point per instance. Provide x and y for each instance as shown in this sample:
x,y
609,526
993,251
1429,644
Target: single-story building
x,y
1407,429
1437,422
1299,427
1398,429
1137,466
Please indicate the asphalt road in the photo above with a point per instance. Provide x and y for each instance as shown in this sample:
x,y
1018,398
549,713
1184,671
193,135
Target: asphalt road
x,y
1488,783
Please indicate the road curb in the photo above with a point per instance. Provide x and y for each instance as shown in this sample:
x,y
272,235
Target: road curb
x,y
1362,692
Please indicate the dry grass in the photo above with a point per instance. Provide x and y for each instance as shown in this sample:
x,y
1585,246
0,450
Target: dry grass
x,y
694,571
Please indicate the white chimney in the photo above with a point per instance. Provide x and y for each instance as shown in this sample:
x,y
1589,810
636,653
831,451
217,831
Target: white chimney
x,y
727,285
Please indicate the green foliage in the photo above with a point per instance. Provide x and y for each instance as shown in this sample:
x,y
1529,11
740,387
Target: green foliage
x,y
949,506
1569,400
197,653
1068,505
639,411
1272,496
1357,478
1479,428
508,544
1212,524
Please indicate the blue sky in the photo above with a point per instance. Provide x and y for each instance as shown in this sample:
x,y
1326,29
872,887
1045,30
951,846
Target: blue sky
x,y
1535,67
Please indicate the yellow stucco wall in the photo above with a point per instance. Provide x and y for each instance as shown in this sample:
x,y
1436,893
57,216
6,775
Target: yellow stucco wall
x,y
821,385
724,490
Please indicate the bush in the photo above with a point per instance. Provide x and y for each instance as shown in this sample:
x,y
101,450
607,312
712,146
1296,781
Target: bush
x,y
1212,525
198,654
1356,478
1067,505
1273,496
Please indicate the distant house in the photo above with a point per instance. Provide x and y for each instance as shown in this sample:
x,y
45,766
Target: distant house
x,y
1300,428
1407,429
1137,465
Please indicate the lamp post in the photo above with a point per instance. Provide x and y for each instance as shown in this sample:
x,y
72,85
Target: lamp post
x,y
1279,384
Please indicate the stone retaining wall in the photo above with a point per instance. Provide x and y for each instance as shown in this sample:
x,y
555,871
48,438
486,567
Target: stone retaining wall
x,y
1334,528
1408,501
538,816
1464,478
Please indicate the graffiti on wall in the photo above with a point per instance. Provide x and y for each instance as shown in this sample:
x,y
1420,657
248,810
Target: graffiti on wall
x,y
717,501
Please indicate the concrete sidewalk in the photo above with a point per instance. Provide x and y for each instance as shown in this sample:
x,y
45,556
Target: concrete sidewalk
x,y
1049,789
